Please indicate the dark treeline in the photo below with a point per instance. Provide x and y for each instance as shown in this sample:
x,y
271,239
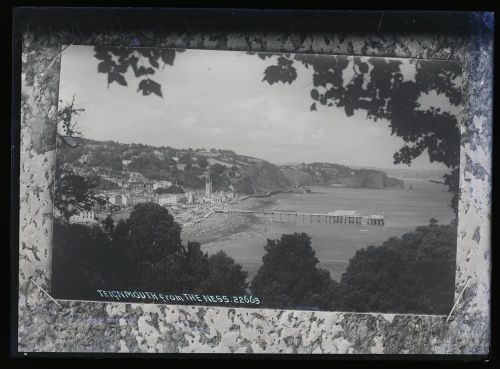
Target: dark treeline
x,y
171,189
143,253
411,274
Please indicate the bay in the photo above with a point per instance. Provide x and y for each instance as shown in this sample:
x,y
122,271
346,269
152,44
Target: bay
x,y
334,244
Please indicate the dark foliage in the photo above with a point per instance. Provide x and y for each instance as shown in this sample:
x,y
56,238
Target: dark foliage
x,y
220,181
284,72
75,193
217,169
170,189
153,233
186,158
68,134
85,259
104,184
202,162
143,253
106,158
224,276
411,274
289,278
108,225
151,167
144,62
189,180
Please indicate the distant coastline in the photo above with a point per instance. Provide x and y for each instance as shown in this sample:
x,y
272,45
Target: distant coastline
x,y
188,168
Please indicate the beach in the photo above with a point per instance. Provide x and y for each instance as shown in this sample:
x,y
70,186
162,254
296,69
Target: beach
x,y
220,226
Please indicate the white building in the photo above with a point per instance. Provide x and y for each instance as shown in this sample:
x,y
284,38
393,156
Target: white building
x,y
230,194
173,199
190,197
139,199
83,159
84,217
161,184
136,177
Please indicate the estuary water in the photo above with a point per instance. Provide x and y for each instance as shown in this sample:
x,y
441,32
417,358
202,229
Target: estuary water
x,y
334,244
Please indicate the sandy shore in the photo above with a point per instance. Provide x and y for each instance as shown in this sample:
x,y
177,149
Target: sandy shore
x,y
218,226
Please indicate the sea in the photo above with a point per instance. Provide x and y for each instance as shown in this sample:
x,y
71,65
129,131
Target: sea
x,y
404,209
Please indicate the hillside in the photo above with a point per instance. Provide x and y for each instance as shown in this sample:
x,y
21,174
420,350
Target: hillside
x,y
330,174
262,177
189,168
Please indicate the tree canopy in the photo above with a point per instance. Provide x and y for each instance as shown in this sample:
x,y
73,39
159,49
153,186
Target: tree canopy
x,y
289,278
144,63
86,259
153,232
170,189
224,276
74,192
411,274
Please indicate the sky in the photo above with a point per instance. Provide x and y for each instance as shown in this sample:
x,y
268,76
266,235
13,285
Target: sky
x,y
216,99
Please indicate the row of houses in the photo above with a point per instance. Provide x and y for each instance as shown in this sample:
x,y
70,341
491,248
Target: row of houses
x,y
120,199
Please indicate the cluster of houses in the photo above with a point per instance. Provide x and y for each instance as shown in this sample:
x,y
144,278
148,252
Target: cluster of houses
x,y
126,198
85,218
120,199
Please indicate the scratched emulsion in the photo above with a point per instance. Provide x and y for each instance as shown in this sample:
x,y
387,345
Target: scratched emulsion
x,y
117,327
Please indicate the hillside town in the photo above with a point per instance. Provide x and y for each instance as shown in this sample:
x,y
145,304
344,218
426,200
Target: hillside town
x,y
192,184
188,206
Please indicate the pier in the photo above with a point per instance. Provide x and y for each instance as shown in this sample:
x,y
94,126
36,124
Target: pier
x,y
336,217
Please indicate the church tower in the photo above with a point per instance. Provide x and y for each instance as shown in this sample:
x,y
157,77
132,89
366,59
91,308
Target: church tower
x,y
208,187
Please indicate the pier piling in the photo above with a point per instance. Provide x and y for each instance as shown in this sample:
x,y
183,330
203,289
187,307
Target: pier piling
x,y
340,217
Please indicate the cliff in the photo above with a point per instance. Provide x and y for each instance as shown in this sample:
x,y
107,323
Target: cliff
x,y
261,178
371,179
328,174
264,176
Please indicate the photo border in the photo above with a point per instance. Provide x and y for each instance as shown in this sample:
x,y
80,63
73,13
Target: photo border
x,y
38,158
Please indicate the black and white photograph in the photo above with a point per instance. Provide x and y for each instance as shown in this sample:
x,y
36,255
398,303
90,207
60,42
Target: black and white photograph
x,y
256,180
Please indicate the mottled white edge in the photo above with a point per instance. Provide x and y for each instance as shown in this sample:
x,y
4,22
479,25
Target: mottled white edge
x,y
481,270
